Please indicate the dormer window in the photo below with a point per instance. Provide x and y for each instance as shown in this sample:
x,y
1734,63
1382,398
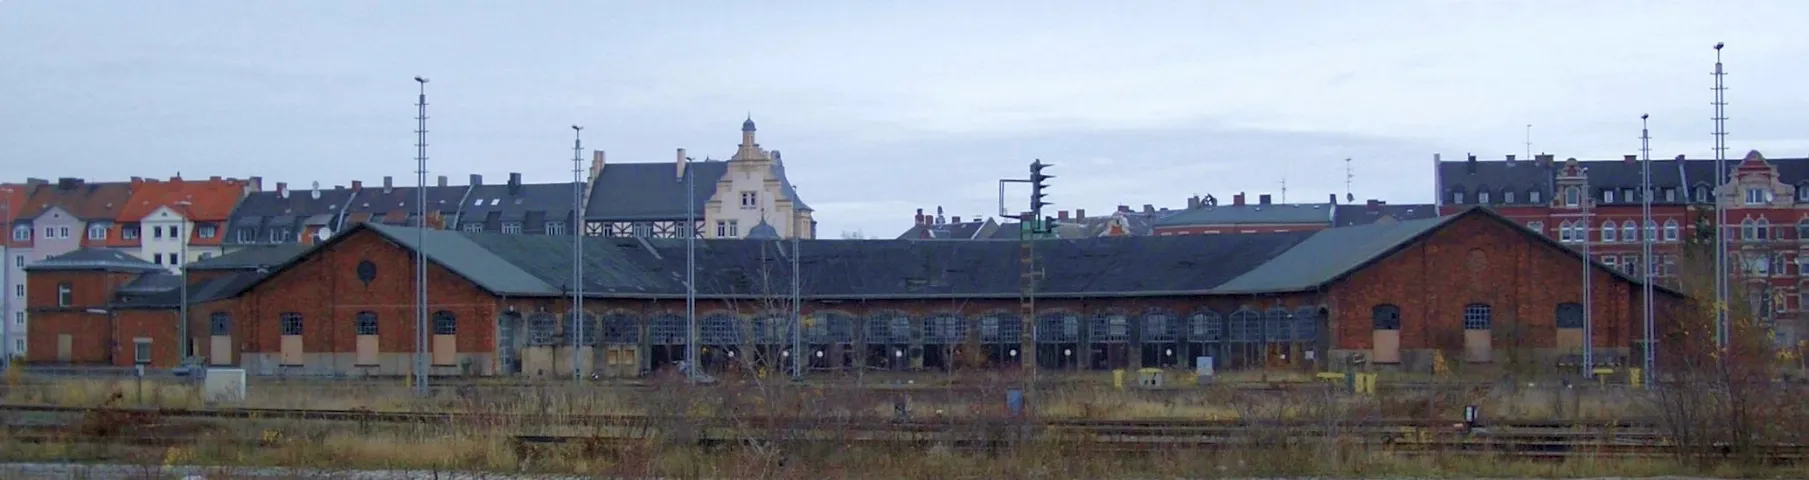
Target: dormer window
x,y
472,227
248,235
1802,193
1702,194
511,227
1507,196
1482,197
21,233
1671,195
1457,198
1607,196
1757,196
1572,196
128,232
1532,196
208,231
280,235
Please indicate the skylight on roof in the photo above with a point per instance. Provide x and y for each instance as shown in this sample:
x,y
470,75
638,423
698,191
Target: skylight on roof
x,y
495,201
478,203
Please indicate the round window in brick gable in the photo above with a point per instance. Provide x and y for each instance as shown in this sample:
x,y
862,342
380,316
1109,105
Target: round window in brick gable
x,y
1477,260
367,272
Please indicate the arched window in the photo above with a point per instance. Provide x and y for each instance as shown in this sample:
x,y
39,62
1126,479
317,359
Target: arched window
x,y
1764,228
1204,326
1058,327
1629,231
1001,328
1385,317
1110,327
1802,227
1276,323
1607,231
621,328
1652,230
366,323
1478,316
1246,326
1159,325
445,323
1671,230
1570,315
719,328
667,329
1749,230
541,328
944,328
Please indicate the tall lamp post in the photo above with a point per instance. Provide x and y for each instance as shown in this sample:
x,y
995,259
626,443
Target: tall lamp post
x,y
6,279
577,248
798,357
1648,360
692,363
182,344
1588,269
421,240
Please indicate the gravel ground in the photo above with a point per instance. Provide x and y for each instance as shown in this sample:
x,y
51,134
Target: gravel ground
x,y
48,471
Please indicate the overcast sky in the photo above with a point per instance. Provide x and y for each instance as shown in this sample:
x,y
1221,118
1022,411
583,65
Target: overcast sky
x,y
884,107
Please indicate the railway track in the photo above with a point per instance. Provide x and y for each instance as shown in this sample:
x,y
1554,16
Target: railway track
x,y
371,416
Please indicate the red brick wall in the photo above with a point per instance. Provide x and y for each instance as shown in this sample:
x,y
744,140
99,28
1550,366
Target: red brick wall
x,y
324,288
89,289
1523,280
89,334
157,325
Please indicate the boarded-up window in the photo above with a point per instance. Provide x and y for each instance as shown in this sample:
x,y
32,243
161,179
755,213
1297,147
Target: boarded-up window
x,y
1570,325
541,328
1478,319
1385,320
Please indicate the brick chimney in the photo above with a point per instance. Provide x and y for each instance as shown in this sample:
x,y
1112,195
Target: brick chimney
x,y
1237,200
1470,165
1080,214
1543,159
1374,205
1630,158
920,217
1332,198
442,180
956,219
282,189
1193,202
389,184
514,183
357,184
1679,157
1061,215
680,169
596,163
1263,199
1124,209
477,179
1147,208
1510,159
256,183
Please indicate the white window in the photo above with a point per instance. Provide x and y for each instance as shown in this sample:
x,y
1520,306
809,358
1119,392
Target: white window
x,y
734,228
1457,198
511,227
750,200
1757,196
18,319
128,232
1564,234
157,231
1670,230
1670,195
1507,196
1611,261
1631,263
555,228
722,229
19,346
473,227
21,233
1536,226
1607,196
97,232
208,231
642,229
1572,196
1607,231
1532,196
65,294
141,350
1629,231
1652,230
1482,197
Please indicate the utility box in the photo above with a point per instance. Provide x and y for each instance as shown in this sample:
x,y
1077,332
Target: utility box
x,y
224,385
1151,378
1118,378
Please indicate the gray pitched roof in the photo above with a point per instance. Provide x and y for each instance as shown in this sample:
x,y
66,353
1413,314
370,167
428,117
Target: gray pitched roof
x,y
531,205
94,259
654,191
380,203
1248,214
970,230
1521,177
260,212
537,265
1353,215
251,257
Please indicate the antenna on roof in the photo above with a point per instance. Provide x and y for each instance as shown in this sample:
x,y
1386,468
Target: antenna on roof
x,y
1284,189
1348,175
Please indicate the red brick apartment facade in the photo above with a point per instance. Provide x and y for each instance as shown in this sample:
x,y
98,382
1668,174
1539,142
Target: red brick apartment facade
x,y
1766,203
345,307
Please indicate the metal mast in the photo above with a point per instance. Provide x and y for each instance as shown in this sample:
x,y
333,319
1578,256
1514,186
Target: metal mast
x,y
1650,229
6,273
690,231
798,357
1721,270
421,241
1588,270
578,315
1529,141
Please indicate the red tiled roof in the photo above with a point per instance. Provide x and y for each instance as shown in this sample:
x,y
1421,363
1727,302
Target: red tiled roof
x,y
12,203
210,201
87,201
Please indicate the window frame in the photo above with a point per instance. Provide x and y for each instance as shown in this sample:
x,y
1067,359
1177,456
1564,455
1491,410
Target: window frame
x,y
291,322
366,323
445,323
1479,316
99,229
141,351
65,294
